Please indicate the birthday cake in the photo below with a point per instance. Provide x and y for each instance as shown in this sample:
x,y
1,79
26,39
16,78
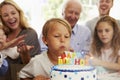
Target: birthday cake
x,y
72,66
73,72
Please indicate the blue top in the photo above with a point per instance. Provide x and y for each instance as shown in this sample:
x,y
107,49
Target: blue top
x,y
80,39
72,68
4,67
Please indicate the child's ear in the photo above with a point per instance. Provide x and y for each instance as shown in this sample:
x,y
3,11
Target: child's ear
x,y
44,40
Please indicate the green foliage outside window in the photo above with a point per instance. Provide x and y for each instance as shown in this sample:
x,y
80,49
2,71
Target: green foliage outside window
x,y
53,7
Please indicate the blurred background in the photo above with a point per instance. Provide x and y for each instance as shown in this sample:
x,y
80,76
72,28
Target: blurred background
x,y
38,11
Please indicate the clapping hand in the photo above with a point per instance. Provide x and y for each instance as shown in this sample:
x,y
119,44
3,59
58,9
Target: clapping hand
x,y
12,43
24,49
92,60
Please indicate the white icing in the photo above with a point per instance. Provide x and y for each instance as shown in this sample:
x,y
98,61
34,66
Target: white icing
x,y
73,67
83,72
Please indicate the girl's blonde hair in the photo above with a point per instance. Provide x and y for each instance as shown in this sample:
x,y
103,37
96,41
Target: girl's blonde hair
x,y
23,19
115,43
52,22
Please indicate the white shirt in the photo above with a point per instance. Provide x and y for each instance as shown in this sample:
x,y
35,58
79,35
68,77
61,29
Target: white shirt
x,y
105,56
10,52
38,65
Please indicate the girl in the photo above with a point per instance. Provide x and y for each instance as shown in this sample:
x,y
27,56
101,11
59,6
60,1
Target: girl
x,y
106,45
56,35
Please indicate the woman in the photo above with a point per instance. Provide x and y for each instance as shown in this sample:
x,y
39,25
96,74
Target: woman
x,y
15,23
12,17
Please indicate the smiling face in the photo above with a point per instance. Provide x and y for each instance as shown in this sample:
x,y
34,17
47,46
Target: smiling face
x,y
58,39
10,16
72,12
105,6
105,33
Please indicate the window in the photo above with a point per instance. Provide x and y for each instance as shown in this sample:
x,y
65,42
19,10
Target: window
x,y
38,11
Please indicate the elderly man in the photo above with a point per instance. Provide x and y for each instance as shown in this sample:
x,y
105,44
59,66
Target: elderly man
x,y
81,36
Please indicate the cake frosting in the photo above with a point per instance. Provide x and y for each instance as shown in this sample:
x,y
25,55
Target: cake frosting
x,y
73,72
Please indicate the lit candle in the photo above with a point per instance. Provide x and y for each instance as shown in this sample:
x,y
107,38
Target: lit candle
x,y
72,61
68,55
82,62
77,61
60,60
73,55
67,60
86,62
63,55
63,61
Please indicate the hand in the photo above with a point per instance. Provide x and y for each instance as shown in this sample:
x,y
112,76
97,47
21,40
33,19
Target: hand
x,y
24,49
95,61
92,60
88,56
17,41
40,77
12,43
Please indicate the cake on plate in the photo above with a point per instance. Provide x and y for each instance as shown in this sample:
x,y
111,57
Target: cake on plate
x,y
73,72
72,67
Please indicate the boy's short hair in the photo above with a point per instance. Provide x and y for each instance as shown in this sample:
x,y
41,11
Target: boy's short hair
x,y
53,22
